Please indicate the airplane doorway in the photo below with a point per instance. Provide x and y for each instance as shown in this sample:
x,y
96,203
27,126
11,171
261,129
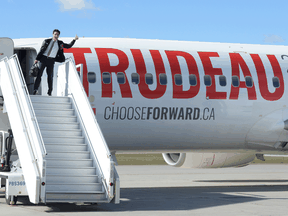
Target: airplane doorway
x,y
26,58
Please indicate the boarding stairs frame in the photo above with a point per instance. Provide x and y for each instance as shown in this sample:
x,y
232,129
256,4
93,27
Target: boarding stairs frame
x,y
27,135
13,86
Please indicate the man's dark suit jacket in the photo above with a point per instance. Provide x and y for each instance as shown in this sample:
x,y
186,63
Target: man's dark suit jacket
x,y
60,54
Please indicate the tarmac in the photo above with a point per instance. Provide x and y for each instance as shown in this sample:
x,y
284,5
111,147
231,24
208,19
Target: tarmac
x,y
260,189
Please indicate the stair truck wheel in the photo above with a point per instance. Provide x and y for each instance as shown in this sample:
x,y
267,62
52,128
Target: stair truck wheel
x,y
8,199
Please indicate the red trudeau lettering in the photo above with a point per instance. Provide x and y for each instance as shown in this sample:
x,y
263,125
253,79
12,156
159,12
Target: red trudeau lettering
x,y
236,62
209,70
79,57
175,69
263,85
105,66
141,70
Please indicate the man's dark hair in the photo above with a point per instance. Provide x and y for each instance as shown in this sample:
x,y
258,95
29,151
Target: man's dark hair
x,y
56,30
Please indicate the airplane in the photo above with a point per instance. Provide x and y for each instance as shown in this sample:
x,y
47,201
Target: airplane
x,y
227,85
188,96
200,104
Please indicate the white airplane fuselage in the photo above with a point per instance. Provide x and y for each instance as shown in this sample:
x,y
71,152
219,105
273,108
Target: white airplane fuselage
x,y
192,116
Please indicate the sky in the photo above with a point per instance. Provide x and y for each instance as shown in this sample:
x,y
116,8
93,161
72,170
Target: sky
x,y
245,21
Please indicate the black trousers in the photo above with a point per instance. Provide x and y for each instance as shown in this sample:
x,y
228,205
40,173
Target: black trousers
x,y
49,64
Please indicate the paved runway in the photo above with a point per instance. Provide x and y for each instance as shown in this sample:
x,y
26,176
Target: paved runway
x,y
163,190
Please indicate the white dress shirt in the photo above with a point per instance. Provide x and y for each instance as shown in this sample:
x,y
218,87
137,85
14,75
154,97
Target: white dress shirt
x,y
53,51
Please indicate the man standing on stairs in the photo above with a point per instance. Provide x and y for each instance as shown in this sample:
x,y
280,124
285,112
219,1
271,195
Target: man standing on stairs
x,y
51,51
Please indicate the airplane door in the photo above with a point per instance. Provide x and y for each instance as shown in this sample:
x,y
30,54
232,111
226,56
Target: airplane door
x,y
6,47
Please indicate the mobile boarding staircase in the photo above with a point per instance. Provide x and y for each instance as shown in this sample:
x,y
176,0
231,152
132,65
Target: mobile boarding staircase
x,y
63,154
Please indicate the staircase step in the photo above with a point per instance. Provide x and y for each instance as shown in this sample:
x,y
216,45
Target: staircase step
x,y
70,155
49,99
69,162
66,133
73,140
38,105
54,112
47,126
92,196
64,147
70,170
80,187
70,174
60,179
56,119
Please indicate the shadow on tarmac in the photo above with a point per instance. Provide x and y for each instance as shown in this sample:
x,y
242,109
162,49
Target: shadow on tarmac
x,y
174,199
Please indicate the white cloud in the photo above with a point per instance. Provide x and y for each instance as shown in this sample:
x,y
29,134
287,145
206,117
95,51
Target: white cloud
x,y
73,5
273,39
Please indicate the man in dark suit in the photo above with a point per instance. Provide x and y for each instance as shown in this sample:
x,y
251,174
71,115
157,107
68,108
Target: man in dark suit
x,y
51,51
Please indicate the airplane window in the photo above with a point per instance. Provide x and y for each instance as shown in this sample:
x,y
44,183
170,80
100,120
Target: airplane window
x,y
135,78
120,77
222,81
163,79
249,81
276,82
235,81
193,79
106,78
91,77
207,80
178,79
149,78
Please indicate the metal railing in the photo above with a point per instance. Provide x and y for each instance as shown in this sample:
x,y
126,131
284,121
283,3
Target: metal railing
x,y
31,137
68,77
89,143
31,108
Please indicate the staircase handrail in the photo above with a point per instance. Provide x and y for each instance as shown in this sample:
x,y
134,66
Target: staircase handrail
x,y
29,120
89,141
33,115
102,155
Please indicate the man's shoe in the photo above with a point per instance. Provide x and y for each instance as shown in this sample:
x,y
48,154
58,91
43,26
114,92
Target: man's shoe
x,y
35,92
49,94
